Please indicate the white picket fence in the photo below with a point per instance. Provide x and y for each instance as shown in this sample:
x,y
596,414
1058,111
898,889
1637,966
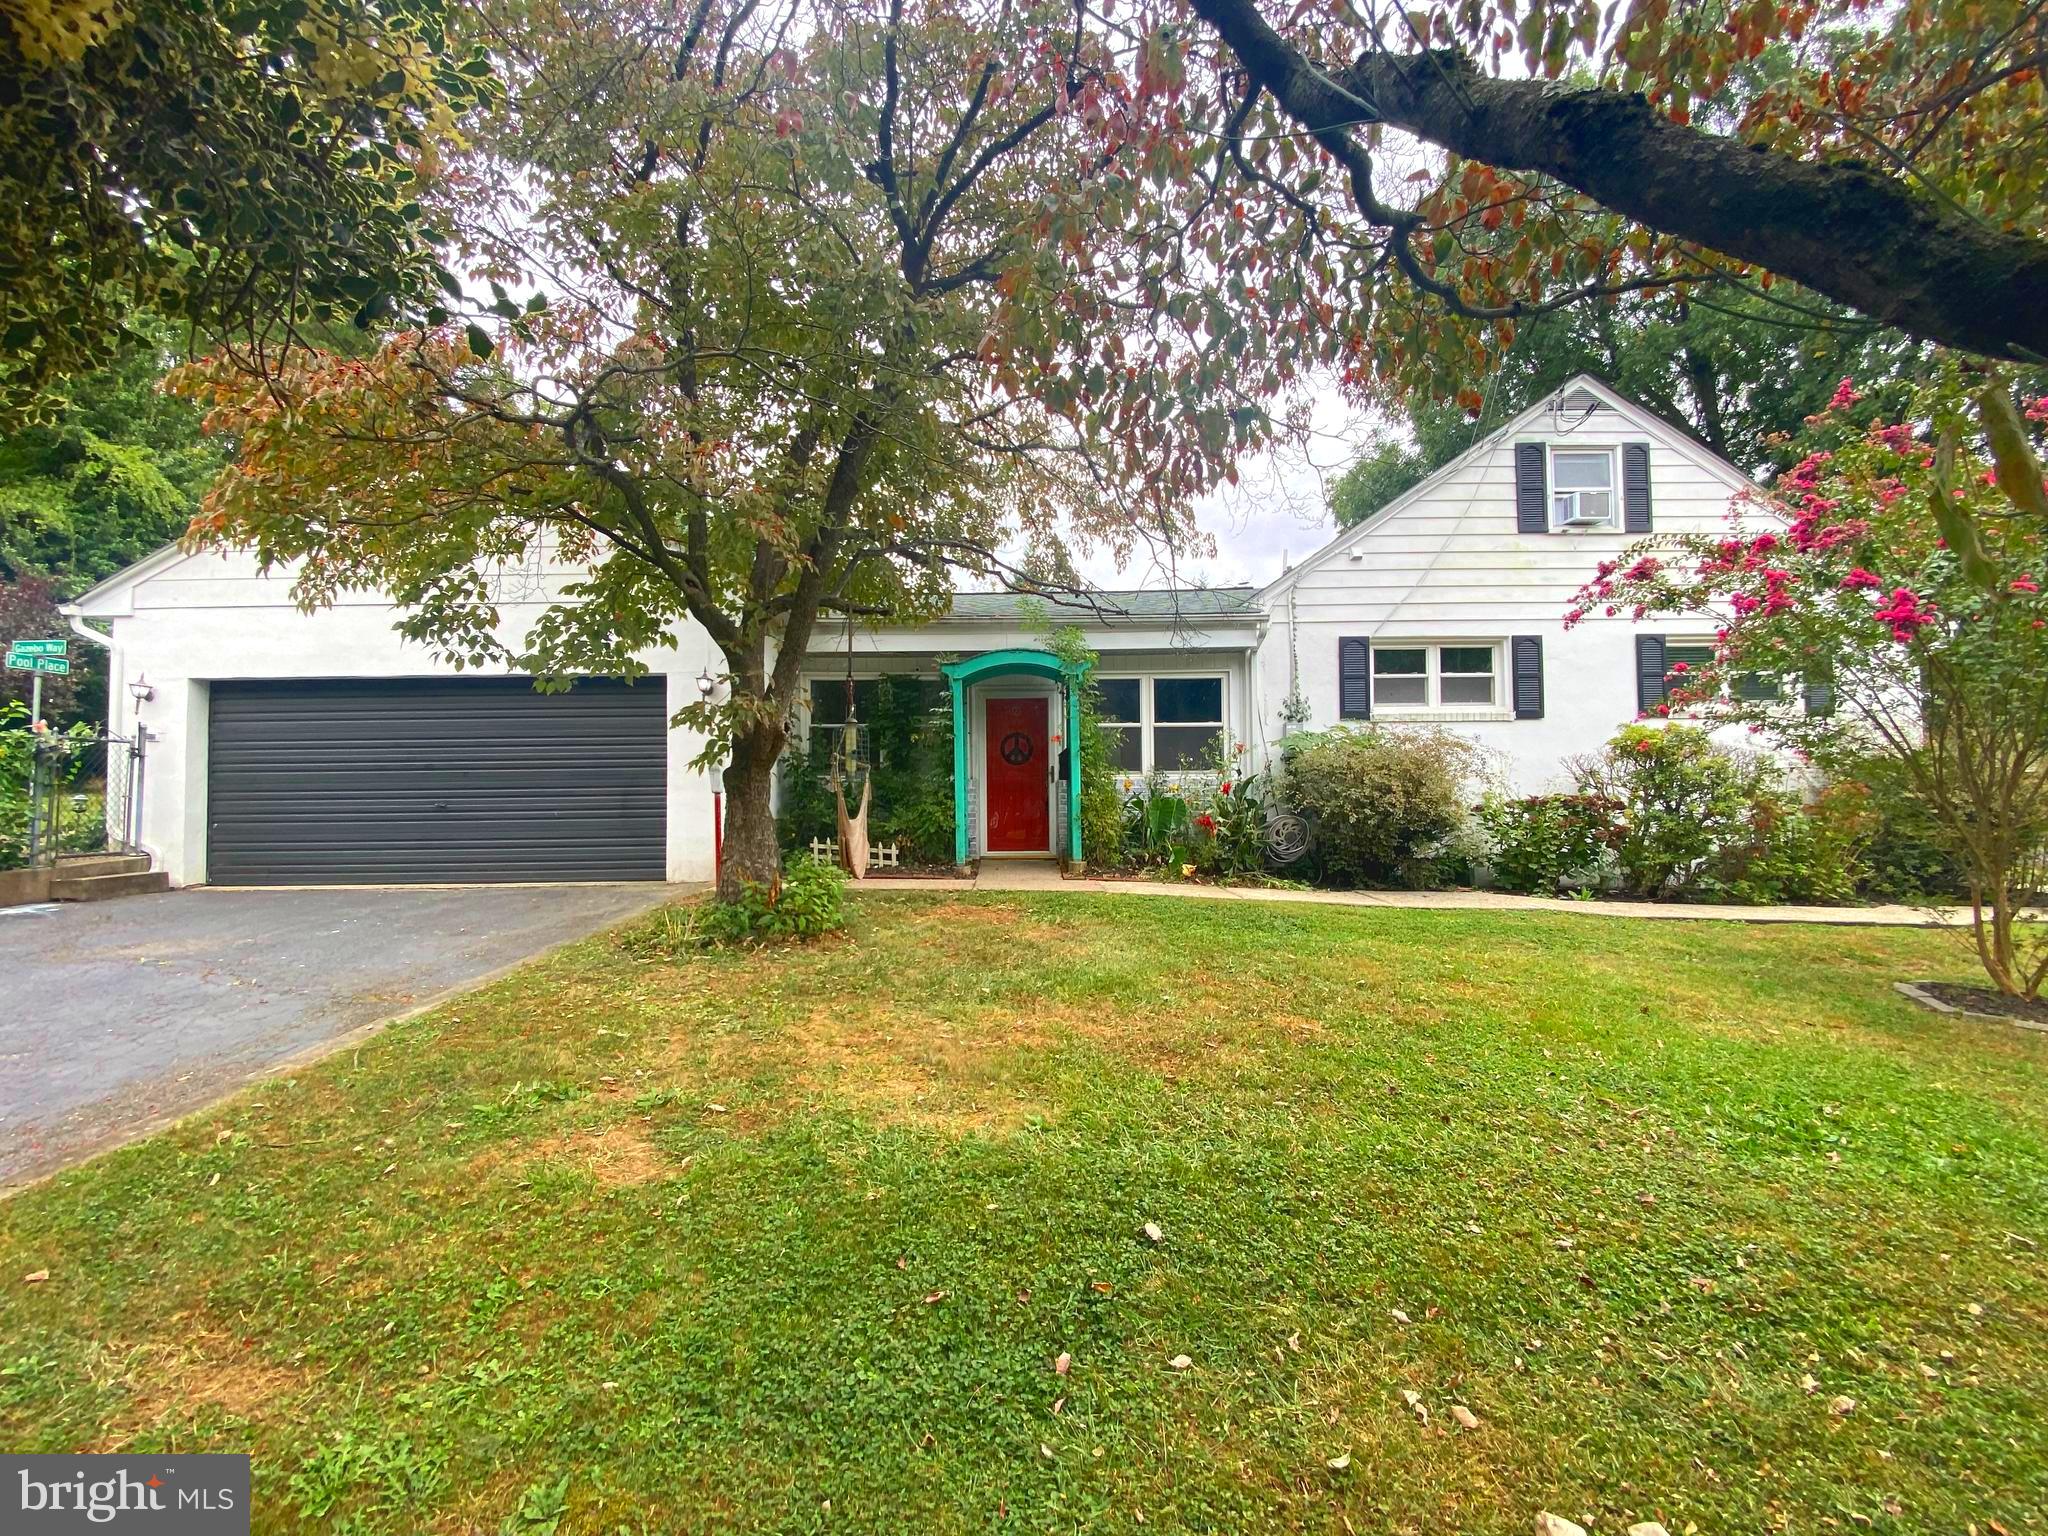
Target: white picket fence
x,y
880,856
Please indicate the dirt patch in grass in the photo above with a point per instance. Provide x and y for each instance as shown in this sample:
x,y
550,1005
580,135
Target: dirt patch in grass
x,y
616,1156
898,1067
178,1376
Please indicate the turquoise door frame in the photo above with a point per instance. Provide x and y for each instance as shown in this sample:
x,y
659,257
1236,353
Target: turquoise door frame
x,y
1015,663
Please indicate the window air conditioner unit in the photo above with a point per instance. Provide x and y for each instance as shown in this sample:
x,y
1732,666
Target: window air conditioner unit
x,y
1585,520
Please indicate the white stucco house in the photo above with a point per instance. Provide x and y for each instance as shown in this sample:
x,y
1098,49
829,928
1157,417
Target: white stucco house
x,y
294,747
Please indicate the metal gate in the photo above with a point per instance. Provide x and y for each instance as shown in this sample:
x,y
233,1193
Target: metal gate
x,y
85,796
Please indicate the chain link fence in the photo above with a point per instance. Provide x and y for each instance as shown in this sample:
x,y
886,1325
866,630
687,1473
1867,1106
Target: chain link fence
x,y
83,796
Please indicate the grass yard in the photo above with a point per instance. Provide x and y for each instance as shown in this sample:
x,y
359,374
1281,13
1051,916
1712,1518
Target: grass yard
x,y
791,1241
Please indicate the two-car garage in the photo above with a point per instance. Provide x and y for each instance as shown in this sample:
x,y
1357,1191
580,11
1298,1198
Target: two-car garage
x,y
410,780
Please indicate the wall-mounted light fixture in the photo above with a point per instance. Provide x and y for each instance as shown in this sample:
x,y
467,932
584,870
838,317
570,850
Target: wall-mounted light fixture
x,y
140,691
707,685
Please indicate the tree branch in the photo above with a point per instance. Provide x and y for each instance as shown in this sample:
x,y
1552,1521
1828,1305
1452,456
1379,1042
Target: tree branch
x,y
1841,229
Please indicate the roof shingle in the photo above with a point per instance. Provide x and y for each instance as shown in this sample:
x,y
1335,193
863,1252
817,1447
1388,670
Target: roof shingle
x,y
1156,603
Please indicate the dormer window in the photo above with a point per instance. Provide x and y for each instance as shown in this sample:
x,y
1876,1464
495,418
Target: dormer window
x,y
1582,488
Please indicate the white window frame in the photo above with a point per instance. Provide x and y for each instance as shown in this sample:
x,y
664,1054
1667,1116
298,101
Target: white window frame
x,y
1558,521
1148,722
1137,724
1432,674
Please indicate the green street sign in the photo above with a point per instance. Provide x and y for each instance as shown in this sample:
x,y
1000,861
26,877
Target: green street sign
x,y
58,665
37,648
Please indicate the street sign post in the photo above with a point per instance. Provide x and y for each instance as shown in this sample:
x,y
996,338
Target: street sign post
x,y
56,666
38,657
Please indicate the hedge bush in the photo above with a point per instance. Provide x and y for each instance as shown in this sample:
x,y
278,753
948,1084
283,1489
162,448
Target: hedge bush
x,y
1543,844
1689,820
1384,802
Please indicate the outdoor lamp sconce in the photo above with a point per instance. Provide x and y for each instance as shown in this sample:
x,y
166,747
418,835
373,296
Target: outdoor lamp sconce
x,y
141,692
707,685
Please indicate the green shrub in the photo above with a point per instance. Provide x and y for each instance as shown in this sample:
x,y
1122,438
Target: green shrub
x,y
1690,820
1807,853
1682,801
1542,844
1237,825
1905,857
805,808
809,904
1212,823
1384,803
907,735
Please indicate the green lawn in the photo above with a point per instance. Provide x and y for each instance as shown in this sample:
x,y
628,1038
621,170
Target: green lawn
x,y
790,1241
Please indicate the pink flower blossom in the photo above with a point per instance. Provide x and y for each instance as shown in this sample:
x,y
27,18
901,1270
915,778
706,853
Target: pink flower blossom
x,y
2025,584
1906,613
2038,411
1844,396
1859,578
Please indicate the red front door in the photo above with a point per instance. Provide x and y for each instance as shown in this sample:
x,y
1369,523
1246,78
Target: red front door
x,y
1019,819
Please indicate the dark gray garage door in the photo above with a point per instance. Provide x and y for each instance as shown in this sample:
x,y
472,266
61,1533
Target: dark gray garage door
x,y
405,780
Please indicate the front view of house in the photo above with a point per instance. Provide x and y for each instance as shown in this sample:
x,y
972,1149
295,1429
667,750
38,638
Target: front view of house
x,y
284,747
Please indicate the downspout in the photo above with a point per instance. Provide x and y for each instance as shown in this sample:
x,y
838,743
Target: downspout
x,y
86,632
1255,736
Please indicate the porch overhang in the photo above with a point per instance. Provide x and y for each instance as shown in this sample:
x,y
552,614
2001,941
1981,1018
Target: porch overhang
x,y
1015,662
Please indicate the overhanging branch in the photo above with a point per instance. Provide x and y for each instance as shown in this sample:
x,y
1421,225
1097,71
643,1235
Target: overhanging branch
x,y
1841,229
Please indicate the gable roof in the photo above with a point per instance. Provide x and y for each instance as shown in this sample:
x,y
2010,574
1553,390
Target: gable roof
x,y
94,599
1640,418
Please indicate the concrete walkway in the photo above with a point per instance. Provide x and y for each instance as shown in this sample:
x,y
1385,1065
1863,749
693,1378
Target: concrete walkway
x,y
1044,875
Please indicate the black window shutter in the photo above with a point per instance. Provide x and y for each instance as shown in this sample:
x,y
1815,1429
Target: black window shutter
x,y
1635,487
1650,670
1354,678
1532,488
1820,694
1528,673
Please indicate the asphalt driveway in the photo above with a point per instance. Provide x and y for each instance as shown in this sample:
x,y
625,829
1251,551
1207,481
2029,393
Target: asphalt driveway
x,y
118,1016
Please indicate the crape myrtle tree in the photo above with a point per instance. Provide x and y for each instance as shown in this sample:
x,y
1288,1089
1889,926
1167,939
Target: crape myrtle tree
x,y
841,297
1895,577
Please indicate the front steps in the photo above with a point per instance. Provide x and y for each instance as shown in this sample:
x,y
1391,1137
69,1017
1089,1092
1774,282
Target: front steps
x,y
103,876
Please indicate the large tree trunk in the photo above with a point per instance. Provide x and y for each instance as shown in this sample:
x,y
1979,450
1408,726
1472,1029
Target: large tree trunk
x,y
751,856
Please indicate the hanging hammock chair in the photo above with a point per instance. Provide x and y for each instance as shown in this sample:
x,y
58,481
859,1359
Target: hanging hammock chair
x,y
846,762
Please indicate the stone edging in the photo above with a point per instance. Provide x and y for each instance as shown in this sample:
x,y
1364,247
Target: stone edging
x,y
1927,999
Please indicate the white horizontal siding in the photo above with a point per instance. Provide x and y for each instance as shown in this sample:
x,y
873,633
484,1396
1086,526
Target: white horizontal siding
x,y
1446,564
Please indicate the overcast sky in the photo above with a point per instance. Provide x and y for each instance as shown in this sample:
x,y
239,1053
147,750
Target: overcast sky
x,y
1278,510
